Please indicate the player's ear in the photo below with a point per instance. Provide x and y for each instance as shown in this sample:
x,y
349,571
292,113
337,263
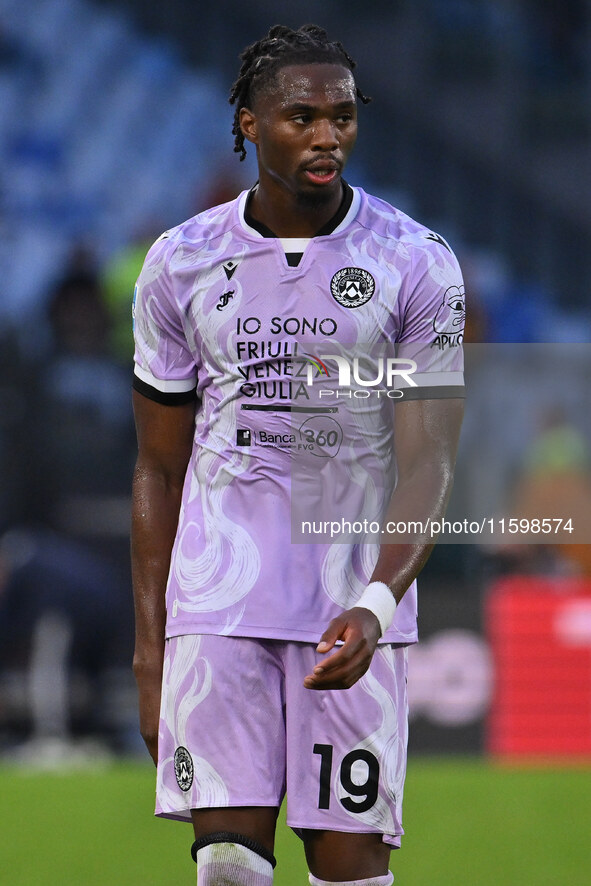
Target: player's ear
x,y
248,125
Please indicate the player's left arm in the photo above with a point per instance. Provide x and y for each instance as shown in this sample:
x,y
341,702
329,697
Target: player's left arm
x,y
426,440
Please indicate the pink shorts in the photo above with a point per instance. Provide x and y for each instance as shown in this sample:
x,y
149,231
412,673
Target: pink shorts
x,y
238,728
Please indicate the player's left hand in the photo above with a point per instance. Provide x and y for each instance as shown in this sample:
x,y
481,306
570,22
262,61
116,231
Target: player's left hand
x,y
359,630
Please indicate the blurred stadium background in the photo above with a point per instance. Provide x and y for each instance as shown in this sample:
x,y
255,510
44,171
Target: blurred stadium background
x,y
114,125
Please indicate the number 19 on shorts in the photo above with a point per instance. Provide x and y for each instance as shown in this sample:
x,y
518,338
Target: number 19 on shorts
x,y
359,775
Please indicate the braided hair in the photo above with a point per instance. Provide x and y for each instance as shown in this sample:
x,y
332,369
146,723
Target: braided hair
x,y
282,46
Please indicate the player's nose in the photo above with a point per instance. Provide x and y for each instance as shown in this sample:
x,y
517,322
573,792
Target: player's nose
x,y
325,136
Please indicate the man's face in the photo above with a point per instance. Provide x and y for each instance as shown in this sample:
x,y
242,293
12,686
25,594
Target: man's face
x,y
304,125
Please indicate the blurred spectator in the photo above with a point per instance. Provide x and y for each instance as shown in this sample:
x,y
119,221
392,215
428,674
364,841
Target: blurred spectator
x,y
81,441
122,269
64,630
555,482
66,451
477,326
223,186
13,384
118,282
502,307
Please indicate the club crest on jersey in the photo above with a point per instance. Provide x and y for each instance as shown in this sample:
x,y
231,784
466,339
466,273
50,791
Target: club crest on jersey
x,y
183,768
352,287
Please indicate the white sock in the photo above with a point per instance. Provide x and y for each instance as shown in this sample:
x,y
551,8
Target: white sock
x,y
230,864
386,880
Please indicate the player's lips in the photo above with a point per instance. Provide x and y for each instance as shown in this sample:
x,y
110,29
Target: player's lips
x,y
322,172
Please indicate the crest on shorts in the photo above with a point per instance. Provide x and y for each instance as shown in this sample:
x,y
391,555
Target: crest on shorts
x,y
183,768
352,287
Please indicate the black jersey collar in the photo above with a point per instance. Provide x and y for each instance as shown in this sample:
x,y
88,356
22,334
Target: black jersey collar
x,y
330,226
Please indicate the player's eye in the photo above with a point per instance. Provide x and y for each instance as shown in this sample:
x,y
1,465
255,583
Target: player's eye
x,y
301,118
344,118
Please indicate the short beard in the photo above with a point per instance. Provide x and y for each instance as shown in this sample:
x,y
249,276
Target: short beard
x,y
311,200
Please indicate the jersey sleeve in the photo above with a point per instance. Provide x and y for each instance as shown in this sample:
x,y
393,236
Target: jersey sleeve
x,y
432,323
164,367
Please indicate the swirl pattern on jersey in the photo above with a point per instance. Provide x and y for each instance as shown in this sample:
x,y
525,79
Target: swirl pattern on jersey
x,y
219,308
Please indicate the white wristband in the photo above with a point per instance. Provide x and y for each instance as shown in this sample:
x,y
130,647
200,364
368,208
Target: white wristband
x,y
379,599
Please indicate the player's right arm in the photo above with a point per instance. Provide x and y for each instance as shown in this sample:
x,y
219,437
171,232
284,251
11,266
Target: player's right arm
x,y
165,436
165,378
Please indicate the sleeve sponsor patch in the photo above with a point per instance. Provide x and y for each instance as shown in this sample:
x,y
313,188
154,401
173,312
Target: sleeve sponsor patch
x,y
448,323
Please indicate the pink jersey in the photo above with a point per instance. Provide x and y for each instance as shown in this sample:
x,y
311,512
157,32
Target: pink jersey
x,y
294,429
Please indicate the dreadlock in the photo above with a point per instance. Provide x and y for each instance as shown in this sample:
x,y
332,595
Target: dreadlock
x,y
282,46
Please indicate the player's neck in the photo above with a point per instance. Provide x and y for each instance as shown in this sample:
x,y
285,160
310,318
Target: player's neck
x,y
286,216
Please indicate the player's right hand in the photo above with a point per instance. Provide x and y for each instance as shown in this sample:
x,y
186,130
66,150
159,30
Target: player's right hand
x,y
148,677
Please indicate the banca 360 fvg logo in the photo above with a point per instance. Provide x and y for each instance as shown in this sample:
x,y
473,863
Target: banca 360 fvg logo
x,y
319,435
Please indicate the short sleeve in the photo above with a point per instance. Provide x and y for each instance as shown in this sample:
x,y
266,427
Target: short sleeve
x,y
431,331
164,367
